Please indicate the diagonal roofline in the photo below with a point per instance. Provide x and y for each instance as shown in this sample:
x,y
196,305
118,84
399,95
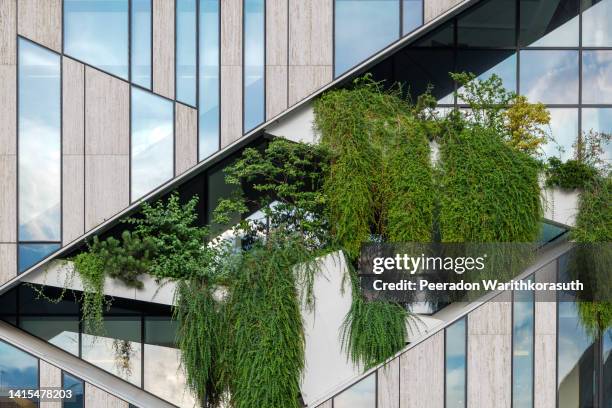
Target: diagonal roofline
x,y
243,141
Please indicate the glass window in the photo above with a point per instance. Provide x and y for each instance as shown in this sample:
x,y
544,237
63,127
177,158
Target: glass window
x,y
163,375
549,76
455,364
254,63
152,147
549,23
598,120
141,42
607,368
488,24
217,190
596,27
576,358
596,77
440,37
522,348
363,27
78,392
18,370
416,69
412,14
61,331
30,301
96,32
186,20
360,395
39,143
484,63
119,350
31,254
564,130
208,105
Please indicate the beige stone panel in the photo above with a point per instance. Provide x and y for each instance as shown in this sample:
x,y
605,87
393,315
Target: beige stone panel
x,y
322,36
422,374
545,370
8,109
489,370
97,398
8,198
50,376
106,189
8,262
8,20
107,112
186,142
163,47
304,80
231,32
388,385
434,8
41,21
300,28
276,32
73,107
276,90
73,204
493,317
231,104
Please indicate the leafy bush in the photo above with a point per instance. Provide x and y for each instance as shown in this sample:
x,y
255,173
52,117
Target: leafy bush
x,y
569,175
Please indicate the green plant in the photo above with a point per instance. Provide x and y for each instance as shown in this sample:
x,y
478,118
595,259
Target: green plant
x,y
374,331
91,269
570,174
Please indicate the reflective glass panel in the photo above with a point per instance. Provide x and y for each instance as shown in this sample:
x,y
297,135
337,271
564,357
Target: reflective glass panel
x,y
522,348
208,106
576,357
96,32
152,147
455,364
549,76
564,130
119,350
440,37
141,42
163,375
412,14
31,254
360,395
254,63
549,23
596,27
484,63
61,331
76,386
598,120
597,77
186,20
607,368
39,143
18,370
363,27
488,24
32,302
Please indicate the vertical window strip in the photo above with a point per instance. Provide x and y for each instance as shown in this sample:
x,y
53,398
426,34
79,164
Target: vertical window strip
x,y
523,320
141,40
186,51
455,365
39,153
209,78
254,64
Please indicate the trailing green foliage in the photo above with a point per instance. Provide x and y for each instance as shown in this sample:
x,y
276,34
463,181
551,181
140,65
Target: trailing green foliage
x,y
594,220
571,174
265,326
91,270
489,191
373,331
380,173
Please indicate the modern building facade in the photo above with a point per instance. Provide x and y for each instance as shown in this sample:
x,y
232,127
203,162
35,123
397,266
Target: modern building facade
x,y
107,103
